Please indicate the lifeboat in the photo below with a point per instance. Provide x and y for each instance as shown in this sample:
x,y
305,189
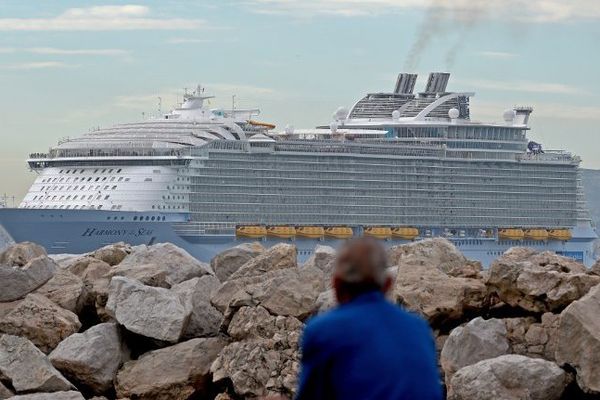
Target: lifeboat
x,y
560,234
406,233
312,232
284,232
262,124
379,232
251,231
511,234
339,232
536,234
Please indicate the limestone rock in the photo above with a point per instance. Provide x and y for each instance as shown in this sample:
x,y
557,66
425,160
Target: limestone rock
x,y
435,295
70,395
540,282
229,261
184,371
92,358
88,268
149,274
509,377
323,258
39,320
326,301
20,254
478,340
179,265
256,322
65,289
595,270
579,340
20,274
112,254
205,319
152,312
27,368
5,393
533,339
280,256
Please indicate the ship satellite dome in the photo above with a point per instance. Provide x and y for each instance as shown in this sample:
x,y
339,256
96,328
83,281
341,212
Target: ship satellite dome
x,y
341,113
453,113
289,129
333,126
509,115
396,114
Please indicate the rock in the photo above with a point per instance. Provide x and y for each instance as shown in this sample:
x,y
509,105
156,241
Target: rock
x,y
595,270
5,393
280,256
205,319
226,263
112,254
509,377
178,264
88,268
533,339
478,340
152,312
65,289
70,395
323,258
20,254
27,368
92,358
437,253
540,282
17,279
435,295
578,343
326,301
148,274
39,320
256,322
184,371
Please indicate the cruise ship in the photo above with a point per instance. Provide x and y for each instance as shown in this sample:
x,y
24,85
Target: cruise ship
x,y
398,166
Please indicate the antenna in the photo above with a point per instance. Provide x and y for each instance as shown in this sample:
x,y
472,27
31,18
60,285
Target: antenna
x,y
232,104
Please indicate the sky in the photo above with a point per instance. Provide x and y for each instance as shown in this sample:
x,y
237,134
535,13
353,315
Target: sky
x,y
69,66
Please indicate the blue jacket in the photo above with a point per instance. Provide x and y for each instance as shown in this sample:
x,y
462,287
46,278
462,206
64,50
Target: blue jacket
x,y
368,349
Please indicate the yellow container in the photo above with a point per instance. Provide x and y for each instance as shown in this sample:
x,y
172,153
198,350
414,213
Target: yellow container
x,y
511,234
339,232
312,232
251,231
536,234
379,232
406,233
284,232
560,234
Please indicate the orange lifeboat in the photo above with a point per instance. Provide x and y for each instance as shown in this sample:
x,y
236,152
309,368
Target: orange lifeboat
x,y
511,234
560,234
379,232
283,232
312,232
251,231
406,233
339,232
536,234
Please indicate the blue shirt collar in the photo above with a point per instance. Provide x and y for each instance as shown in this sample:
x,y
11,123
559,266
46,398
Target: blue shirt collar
x,y
368,297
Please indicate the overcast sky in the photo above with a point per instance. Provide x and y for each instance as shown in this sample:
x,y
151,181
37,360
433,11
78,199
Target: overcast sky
x,y
68,66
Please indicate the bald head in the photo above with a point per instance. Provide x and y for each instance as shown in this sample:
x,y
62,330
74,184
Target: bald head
x,y
361,266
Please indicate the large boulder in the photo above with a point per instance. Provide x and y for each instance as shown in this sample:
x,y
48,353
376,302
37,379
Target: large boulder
x,y
280,256
177,372
509,377
5,392
20,254
20,274
70,395
156,313
205,319
227,262
435,295
579,340
178,264
323,258
157,275
478,340
112,254
92,358
65,289
27,368
538,282
265,360
39,320
326,301
530,338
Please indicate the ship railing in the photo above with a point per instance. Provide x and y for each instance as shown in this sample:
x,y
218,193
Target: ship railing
x,y
548,155
70,153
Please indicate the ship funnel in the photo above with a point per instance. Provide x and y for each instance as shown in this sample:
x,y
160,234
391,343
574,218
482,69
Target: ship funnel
x,y
522,115
437,82
405,83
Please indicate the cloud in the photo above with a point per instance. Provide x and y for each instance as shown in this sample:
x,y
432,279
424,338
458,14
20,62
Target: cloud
x,y
188,41
77,52
483,110
6,50
100,18
497,54
40,65
526,10
523,86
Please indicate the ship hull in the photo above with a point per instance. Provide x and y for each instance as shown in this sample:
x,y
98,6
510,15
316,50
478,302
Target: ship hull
x,y
81,231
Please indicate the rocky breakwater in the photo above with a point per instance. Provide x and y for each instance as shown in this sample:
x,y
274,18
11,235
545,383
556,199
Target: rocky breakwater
x,y
151,322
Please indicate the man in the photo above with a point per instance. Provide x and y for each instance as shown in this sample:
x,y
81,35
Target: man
x,y
367,348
